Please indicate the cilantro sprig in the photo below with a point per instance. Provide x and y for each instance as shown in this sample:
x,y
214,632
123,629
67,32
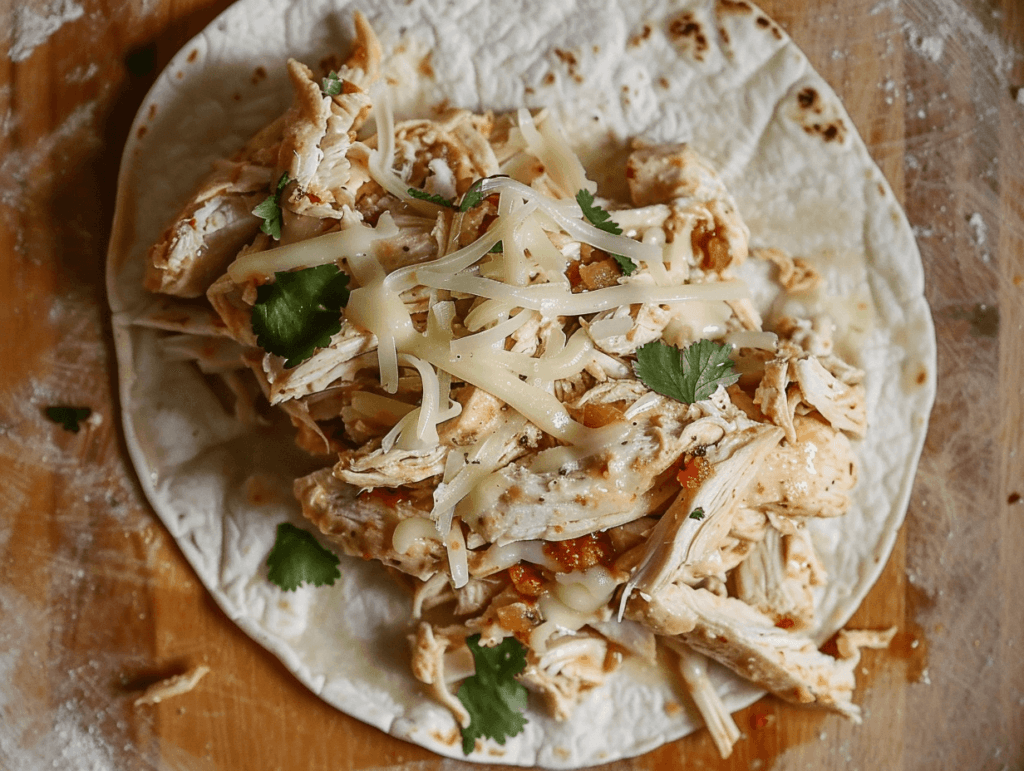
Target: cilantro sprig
x,y
473,197
697,514
602,220
470,199
331,85
68,417
433,198
300,312
297,558
690,375
494,699
270,210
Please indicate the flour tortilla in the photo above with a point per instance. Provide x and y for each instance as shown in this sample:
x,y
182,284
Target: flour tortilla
x,y
734,86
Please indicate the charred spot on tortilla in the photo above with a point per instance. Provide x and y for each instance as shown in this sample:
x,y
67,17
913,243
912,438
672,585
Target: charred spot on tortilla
x,y
688,35
426,65
818,117
571,62
740,7
765,23
641,36
808,98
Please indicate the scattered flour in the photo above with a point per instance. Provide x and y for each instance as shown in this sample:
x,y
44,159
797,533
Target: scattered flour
x,y
18,165
34,27
83,73
978,228
72,741
929,24
930,46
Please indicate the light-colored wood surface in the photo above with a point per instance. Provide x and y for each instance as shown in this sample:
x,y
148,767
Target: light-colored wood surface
x,y
96,602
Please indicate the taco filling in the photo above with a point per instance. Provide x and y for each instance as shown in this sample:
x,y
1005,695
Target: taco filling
x,y
553,417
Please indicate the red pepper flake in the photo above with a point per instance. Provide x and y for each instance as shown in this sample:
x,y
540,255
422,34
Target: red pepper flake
x,y
583,552
527,579
785,623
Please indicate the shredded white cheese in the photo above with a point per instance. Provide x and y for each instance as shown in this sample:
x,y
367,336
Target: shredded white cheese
x,y
330,247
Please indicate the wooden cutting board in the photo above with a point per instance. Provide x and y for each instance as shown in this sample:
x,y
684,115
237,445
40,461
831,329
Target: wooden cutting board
x,y
96,602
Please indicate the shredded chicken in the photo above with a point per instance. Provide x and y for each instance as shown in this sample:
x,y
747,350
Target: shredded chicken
x,y
693,669
570,667
748,642
681,542
197,247
173,686
364,526
795,274
430,660
777,578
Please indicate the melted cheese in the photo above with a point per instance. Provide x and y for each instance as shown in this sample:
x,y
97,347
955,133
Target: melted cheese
x,y
409,531
766,341
380,408
568,216
330,247
553,300
458,560
548,145
585,591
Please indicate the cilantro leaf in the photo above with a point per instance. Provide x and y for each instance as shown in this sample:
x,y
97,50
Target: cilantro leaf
x,y
331,85
297,558
689,375
68,417
697,513
602,220
299,312
626,265
470,199
498,248
434,198
473,197
270,210
597,216
494,699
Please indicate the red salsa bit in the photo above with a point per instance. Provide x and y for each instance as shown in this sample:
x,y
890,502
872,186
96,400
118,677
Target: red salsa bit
x,y
582,553
526,579
694,471
386,495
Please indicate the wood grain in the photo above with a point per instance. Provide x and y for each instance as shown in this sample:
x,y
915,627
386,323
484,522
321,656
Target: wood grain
x,y
96,602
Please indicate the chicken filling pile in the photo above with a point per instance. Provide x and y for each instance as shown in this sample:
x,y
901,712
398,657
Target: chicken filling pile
x,y
470,354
